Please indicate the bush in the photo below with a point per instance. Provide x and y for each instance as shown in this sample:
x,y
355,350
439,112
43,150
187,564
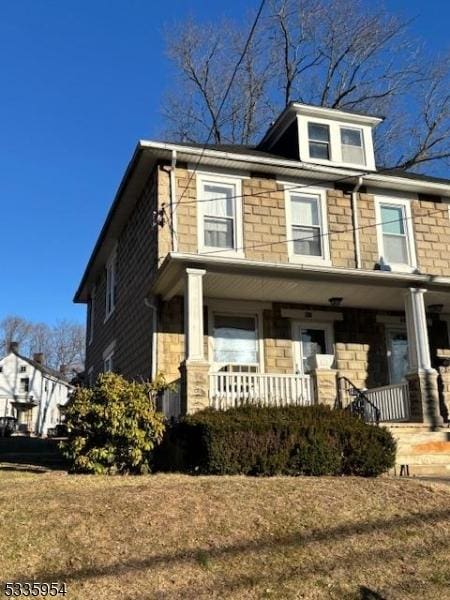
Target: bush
x,y
289,440
113,427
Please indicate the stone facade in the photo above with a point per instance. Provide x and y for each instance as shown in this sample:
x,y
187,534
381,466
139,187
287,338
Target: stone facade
x,y
360,346
130,324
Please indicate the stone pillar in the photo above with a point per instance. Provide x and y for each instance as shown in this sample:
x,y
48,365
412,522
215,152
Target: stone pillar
x,y
444,372
195,369
194,386
422,379
325,386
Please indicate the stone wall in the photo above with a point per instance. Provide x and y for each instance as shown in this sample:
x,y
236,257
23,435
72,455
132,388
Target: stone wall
x,y
130,325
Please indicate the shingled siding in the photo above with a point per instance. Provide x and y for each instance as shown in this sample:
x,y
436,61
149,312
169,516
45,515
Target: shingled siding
x,y
432,234
130,325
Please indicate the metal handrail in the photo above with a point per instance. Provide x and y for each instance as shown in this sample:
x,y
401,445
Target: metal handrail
x,y
358,405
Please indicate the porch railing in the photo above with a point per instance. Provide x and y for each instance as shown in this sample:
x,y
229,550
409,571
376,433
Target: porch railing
x,y
227,390
392,401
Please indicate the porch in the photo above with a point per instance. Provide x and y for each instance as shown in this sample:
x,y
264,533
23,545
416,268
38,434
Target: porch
x,y
251,335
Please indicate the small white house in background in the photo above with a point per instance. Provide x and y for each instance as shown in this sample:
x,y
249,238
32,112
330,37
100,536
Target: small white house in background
x,y
31,392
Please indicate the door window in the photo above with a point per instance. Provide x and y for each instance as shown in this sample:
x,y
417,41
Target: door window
x,y
312,341
398,355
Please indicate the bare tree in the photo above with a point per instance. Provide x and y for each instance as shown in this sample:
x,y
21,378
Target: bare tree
x,y
346,54
68,344
14,329
61,344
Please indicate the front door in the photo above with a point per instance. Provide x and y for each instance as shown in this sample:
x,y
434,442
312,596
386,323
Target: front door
x,y
312,339
397,349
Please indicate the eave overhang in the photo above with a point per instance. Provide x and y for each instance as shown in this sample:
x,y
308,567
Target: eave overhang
x,y
147,154
171,276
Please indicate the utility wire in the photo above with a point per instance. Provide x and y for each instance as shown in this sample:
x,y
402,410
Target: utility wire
x,y
327,233
238,64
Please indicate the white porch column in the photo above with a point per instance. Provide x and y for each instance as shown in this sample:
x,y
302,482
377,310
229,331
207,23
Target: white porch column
x,y
193,314
416,324
422,379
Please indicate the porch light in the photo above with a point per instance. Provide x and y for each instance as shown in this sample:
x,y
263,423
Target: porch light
x,y
335,301
436,308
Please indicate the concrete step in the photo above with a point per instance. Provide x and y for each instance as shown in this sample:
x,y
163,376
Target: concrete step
x,y
425,452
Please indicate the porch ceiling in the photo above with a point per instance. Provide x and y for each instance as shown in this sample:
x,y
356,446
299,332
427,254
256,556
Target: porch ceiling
x,y
297,284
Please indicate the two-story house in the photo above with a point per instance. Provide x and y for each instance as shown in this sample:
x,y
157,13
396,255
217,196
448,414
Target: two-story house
x,y
276,273
31,392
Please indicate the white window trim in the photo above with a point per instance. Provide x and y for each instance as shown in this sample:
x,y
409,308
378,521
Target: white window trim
x,y
325,259
242,309
295,335
89,376
409,230
335,142
236,181
91,316
108,353
110,281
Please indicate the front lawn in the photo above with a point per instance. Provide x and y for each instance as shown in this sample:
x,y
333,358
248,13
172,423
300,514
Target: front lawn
x,y
173,536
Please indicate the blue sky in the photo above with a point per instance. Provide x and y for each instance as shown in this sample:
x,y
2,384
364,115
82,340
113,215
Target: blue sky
x,y
81,82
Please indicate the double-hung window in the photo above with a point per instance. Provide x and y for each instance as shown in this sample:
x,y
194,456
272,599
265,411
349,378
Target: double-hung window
x,y
307,231
319,141
111,276
352,146
395,234
219,214
108,363
236,344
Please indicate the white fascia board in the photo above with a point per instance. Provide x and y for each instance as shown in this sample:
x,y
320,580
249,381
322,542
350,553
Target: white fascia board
x,y
307,170
335,114
279,269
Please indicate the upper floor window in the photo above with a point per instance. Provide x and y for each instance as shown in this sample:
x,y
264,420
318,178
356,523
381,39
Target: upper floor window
x,y
23,369
24,385
110,285
220,214
395,239
307,228
319,141
352,146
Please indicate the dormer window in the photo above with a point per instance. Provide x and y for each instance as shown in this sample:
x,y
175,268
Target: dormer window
x,y
323,136
352,146
319,141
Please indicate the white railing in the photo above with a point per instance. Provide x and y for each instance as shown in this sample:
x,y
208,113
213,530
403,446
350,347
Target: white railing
x,y
170,404
392,401
234,389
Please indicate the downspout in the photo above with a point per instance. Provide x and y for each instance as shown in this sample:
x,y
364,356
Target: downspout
x,y
173,198
154,310
356,221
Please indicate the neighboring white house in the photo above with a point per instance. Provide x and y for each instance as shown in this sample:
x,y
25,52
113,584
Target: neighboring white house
x,y
31,392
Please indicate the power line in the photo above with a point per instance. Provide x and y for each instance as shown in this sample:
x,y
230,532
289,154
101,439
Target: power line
x,y
326,234
238,64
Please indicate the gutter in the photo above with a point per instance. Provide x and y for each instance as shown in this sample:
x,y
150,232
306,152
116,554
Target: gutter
x,y
152,306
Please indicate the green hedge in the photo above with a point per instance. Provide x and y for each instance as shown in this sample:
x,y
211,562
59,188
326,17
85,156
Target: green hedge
x,y
289,440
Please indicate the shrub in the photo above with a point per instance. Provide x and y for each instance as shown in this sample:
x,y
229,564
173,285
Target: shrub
x,y
290,440
113,427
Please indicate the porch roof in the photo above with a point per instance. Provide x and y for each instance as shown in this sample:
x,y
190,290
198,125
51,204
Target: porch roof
x,y
243,279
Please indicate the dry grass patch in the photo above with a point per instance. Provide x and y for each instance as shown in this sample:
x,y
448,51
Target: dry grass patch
x,y
173,536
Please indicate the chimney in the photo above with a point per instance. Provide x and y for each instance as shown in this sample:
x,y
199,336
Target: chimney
x,y
38,357
14,347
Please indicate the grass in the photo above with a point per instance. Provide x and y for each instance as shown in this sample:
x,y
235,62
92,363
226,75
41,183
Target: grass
x,y
173,536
